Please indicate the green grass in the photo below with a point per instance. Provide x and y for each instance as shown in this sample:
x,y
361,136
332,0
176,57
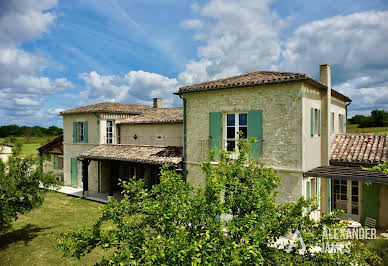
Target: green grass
x,y
32,239
30,144
376,130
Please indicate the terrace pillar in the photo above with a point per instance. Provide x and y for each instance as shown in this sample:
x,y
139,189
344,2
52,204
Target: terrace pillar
x,y
85,177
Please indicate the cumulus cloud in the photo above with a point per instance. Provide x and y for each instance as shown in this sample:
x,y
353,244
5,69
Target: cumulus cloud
x,y
134,87
22,86
239,36
245,36
355,47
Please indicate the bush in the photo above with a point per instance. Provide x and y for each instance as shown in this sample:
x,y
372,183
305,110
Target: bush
x,y
174,223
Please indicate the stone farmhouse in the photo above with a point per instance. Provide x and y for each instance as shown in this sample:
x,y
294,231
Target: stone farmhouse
x,y
299,122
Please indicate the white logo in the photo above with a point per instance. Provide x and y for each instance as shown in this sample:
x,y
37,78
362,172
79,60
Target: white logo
x,y
296,236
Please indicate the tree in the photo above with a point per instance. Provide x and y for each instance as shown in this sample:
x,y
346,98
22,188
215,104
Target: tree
x,y
20,181
176,223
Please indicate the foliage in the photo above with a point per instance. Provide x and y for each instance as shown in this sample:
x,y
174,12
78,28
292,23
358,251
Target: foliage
x,y
20,179
378,118
383,167
35,131
176,223
380,246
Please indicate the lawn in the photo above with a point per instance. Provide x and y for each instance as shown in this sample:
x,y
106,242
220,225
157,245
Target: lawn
x,y
30,144
376,130
32,239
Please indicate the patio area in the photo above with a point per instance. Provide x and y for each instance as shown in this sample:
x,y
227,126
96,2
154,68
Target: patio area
x,y
77,192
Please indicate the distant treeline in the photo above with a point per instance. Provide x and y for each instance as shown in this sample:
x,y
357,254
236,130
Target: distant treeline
x,y
24,131
378,118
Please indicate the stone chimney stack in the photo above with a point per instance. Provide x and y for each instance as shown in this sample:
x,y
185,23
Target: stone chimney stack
x,y
325,79
158,102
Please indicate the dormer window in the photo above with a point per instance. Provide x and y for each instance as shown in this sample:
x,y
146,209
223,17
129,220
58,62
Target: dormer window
x,y
109,131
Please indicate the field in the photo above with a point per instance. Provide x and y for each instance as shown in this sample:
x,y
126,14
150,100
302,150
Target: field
x,y
30,144
32,239
376,130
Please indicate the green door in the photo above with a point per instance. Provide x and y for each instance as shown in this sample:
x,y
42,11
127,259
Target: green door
x,y
74,172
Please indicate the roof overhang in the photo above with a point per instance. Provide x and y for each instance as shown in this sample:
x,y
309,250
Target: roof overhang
x,y
146,154
348,173
308,80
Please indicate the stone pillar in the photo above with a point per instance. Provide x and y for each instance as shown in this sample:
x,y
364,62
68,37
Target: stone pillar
x,y
325,78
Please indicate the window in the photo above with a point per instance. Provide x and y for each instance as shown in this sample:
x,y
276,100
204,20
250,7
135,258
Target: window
x,y
315,122
345,196
234,124
340,123
80,132
58,162
109,131
332,122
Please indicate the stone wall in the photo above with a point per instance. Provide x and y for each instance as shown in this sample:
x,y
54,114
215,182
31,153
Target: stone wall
x,y
281,105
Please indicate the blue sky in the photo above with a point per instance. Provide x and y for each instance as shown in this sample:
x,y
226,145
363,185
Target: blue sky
x,y
57,55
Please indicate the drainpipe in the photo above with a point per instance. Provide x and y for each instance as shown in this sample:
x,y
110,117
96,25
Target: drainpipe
x,y
98,128
346,115
184,135
325,78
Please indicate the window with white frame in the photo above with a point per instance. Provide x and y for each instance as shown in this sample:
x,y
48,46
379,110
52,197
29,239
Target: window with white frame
x,y
109,131
234,124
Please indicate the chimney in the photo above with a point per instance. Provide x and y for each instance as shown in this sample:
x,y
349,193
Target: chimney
x,y
325,78
158,102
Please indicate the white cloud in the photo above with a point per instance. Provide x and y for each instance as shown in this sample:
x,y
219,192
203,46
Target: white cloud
x,y
355,47
22,87
27,102
191,24
134,87
239,36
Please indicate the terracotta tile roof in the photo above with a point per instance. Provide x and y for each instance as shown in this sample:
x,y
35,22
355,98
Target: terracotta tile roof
x,y
135,153
156,115
108,107
256,78
360,148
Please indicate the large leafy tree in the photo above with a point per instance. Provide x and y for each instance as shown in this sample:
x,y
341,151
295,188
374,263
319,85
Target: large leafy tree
x,y
176,223
22,186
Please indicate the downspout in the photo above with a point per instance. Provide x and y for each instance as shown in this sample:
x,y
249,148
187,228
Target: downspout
x,y
184,136
346,115
98,128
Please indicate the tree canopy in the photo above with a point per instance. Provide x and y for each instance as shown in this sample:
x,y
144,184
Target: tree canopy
x,y
25,131
378,118
22,186
234,219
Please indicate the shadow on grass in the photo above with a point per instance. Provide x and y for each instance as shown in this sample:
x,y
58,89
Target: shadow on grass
x,y
25,234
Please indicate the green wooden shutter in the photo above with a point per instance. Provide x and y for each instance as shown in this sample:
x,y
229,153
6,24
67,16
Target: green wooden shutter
x,y
370,202
319,122
328,195
74,172
331,123
55,162
215,131
86,132
312,122
308,190
255,130
74,132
